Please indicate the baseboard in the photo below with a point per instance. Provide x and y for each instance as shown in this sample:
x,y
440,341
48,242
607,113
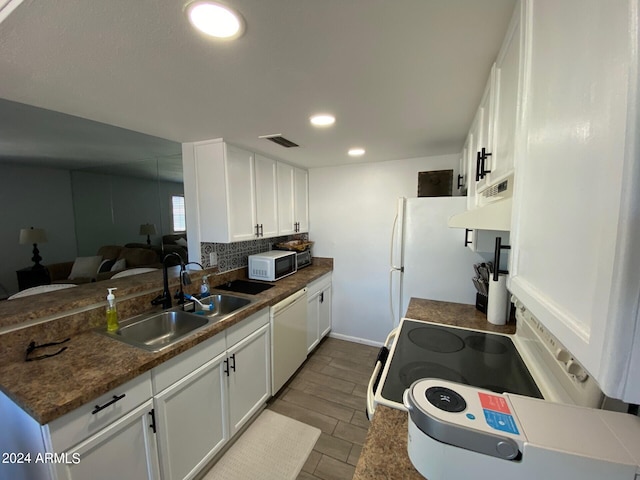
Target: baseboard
x,y
347,338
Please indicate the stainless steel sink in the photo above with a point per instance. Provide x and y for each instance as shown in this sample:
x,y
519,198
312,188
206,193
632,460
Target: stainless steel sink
x,y
159,330
223,304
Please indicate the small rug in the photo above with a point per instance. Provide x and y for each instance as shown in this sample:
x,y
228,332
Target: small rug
x,y
274,447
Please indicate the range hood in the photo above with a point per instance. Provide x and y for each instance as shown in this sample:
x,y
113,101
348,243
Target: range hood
x,y
494,211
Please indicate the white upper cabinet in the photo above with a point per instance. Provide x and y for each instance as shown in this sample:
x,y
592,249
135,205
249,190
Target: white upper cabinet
x,y
575,235
484,138
234,195
266,188
506,101
286,199
301,200
293,199
241,199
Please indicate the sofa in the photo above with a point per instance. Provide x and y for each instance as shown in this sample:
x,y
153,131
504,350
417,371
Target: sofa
x,y
109,260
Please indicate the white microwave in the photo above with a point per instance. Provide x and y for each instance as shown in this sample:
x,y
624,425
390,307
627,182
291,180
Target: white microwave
x,y
273,265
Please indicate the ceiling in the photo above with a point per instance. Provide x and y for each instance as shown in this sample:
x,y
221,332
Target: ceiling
x,y
402,77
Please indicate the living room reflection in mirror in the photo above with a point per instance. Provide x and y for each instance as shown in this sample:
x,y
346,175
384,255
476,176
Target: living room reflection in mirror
x,y
90,186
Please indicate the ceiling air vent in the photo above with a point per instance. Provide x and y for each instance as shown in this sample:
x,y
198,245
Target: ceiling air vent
x,y
280,140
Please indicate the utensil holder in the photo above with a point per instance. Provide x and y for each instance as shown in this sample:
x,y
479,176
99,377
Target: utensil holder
x,y
497,307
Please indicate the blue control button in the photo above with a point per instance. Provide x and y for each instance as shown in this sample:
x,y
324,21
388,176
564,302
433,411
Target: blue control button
x,y
471,416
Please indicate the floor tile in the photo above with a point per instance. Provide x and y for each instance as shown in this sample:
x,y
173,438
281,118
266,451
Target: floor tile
x,y
354,455
319,405
350,433
331,469
323,422
333,447
312,461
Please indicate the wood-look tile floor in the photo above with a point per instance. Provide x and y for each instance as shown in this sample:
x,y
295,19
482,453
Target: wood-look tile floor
x,y
329,392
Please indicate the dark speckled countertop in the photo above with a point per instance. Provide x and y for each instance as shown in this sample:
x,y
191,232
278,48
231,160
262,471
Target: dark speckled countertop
x,y
93,364
384,454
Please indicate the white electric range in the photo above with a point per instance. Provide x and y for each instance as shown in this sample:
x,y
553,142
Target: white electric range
x,y
531,363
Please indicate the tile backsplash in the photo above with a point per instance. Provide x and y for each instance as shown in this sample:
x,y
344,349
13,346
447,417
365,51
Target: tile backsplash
x,y
234,255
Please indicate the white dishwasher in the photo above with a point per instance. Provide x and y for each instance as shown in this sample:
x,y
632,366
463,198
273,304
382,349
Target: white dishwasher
x,y
288,337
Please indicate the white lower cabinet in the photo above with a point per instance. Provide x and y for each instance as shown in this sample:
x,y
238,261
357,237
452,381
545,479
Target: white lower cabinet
x,y
202,402
124,449
249,378
191,420
318,310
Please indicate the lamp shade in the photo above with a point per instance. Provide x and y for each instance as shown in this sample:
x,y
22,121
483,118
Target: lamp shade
x,y
147,229
32,235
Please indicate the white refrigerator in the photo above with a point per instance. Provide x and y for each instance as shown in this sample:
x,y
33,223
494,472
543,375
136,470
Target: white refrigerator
x,y
428,259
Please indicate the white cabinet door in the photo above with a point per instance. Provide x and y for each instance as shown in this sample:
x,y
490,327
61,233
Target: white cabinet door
x,y
125,449
266,192
286,199
241,201
301,200
192,420
485,134
473,162
249,377
507,97
324,311
574,261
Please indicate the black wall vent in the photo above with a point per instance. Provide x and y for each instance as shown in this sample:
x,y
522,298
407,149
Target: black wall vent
x,y
280,140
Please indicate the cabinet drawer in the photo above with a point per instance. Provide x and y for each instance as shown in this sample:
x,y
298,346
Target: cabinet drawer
x,y
318,285
84,421
246,327
171,371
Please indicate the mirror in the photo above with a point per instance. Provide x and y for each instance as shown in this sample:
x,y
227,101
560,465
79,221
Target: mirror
x,y
87,184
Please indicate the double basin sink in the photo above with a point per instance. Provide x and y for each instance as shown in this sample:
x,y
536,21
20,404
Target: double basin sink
x,y
156,331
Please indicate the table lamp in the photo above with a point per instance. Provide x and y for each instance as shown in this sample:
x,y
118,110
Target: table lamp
x,y
34,236
148,229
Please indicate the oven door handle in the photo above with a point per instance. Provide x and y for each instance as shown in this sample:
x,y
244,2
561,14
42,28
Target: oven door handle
x,y
383,355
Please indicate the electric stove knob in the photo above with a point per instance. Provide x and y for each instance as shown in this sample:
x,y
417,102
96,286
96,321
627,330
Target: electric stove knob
x,y
563,355
575,369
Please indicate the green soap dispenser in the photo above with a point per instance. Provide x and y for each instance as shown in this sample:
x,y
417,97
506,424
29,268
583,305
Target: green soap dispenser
x,y
112,314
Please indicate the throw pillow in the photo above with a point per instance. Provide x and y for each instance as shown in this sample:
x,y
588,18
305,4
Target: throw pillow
x,y
106,265
85,267
182,242
119,265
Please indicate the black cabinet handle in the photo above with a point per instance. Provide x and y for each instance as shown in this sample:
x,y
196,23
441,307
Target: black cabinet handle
x,y
321,297
152,425
478,160
467,242
226,366
483,157
110,402
233,366
261,230
496,258
460,177
257,227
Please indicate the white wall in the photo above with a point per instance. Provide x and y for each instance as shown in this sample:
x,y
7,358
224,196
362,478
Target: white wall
x,y
34,197
351,210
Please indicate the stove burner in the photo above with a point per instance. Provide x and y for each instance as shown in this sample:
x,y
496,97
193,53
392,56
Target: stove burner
x,y
445,399
417,370
436,340
484,344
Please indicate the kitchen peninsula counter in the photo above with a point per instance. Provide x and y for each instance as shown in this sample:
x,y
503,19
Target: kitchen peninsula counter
x,y
384,454
93,363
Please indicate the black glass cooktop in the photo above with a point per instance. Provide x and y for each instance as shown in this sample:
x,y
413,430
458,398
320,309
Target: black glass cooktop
x,y
484,360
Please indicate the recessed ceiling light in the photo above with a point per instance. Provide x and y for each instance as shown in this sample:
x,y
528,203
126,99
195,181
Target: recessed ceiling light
x,y
215,19
323,120
356,152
